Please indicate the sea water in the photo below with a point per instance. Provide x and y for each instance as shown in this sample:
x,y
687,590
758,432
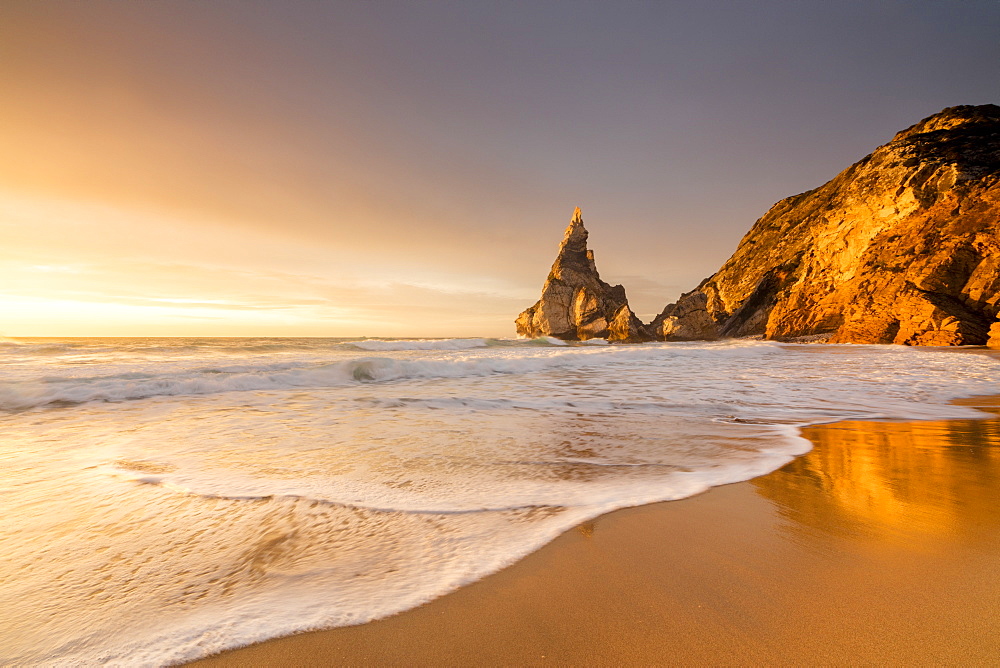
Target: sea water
x,y
164,499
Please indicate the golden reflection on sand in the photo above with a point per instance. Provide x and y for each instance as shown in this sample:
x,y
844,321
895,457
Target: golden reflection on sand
x,y
912,481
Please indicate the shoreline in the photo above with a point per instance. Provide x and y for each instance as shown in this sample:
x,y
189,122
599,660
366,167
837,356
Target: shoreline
x,y
877,546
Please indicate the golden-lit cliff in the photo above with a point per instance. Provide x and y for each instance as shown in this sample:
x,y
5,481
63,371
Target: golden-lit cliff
x,y
901,247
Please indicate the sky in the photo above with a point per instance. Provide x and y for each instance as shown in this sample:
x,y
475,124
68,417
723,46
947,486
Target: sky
x,y
183,168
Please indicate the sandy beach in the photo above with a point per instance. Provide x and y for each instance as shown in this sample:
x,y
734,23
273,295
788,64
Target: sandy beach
x,y
881,546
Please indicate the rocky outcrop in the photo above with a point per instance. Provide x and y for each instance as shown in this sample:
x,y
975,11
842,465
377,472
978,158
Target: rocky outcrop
x,y
576,304
994,340
901,247
686,320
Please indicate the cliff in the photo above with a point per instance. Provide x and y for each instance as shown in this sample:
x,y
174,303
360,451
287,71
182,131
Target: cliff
x,y
901,247
576,304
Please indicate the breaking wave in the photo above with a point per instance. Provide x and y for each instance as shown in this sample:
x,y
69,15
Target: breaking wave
x,y
146,383
420,344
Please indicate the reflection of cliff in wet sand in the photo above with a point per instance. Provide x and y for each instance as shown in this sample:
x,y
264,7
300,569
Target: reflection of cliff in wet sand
x,y
909,480
879,547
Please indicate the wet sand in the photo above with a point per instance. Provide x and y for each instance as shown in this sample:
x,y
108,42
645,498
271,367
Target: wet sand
x,y
881,546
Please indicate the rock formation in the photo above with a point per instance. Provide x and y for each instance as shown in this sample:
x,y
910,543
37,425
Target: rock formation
x,y
901,247
686,320
576,304
994,340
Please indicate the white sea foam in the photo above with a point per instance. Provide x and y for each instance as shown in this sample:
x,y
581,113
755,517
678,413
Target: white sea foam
x,y
239,490
420,344
130,381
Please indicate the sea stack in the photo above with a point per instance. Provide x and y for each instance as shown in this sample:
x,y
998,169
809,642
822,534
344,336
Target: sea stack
x,y
576,304
901,247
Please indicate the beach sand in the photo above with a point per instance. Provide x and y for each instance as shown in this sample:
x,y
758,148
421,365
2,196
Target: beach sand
x,y
881,546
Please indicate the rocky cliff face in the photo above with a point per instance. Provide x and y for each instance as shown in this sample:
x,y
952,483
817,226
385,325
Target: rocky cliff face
x,y
901,247
994,340
686,320
576,304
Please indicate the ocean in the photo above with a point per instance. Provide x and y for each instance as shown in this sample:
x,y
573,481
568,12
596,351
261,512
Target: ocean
x,y
165,499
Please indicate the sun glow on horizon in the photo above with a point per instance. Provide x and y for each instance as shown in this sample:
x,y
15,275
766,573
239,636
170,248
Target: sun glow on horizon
x,y
82,269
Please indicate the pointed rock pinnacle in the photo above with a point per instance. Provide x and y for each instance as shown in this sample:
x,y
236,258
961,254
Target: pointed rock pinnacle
x,y
575,238
576,304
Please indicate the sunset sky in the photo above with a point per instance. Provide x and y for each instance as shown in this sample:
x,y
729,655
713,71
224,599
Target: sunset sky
x,y
407,168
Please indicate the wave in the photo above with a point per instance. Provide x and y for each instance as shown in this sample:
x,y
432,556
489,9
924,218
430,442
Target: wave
x,y
419,344
660,375
548,340
465,344
17,396
119,349
22,349
661,482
